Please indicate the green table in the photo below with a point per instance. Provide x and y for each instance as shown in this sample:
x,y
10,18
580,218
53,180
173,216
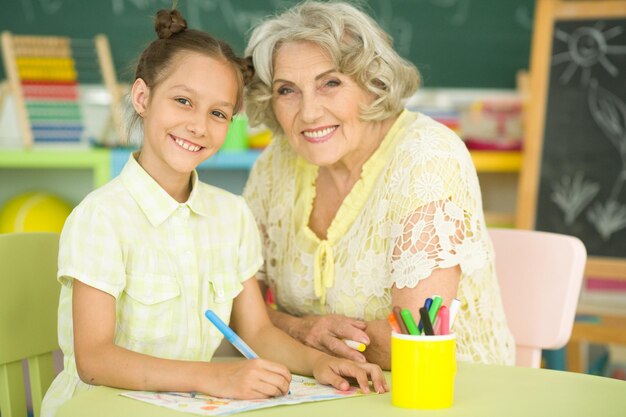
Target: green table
x,y
481,390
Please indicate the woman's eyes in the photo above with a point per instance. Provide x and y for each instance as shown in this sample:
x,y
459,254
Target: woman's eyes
x,y
287,90
284,90
183,101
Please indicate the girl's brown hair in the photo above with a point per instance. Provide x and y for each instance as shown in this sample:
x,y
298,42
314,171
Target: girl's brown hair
x,y
156,61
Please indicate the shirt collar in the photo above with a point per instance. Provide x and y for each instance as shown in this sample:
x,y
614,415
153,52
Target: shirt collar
x,y
153,200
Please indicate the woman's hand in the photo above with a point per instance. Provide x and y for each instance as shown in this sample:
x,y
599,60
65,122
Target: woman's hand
x,y
333,371
246,379
326,333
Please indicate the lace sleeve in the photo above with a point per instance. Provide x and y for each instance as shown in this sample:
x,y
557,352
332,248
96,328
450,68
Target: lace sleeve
x,y
439,217
437,235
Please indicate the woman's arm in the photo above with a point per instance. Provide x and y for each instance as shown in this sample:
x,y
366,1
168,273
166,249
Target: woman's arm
x,y
442,282
420,239
324,333
420,236
250,320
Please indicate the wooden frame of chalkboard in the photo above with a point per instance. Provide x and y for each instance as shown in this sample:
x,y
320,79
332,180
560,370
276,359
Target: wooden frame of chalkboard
x,y
573,178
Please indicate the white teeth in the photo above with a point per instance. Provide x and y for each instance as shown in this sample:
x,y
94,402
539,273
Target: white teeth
x,y
185,145
318,133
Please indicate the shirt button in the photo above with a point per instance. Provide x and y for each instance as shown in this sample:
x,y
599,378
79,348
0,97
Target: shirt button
x,y
220,293
184,211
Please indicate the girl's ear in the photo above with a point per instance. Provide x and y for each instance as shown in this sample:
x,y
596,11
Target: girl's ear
x,y
139,95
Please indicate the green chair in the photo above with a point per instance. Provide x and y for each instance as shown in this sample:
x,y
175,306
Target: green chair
x,y
29,296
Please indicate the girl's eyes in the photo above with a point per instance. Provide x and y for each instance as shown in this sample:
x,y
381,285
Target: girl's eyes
x,y
215,113
219,114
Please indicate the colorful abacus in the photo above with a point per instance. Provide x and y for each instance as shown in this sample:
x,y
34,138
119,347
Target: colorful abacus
x,y
44,80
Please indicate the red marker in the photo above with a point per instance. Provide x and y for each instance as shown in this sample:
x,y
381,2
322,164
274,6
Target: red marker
x,y
269,298
443,321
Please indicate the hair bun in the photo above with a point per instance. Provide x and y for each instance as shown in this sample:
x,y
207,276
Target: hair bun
x,y
247,69
168,23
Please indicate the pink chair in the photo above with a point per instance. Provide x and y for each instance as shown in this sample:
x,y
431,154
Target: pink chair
x,y
540,275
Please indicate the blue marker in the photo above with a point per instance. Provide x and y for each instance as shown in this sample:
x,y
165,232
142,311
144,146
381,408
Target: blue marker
x,y
230,335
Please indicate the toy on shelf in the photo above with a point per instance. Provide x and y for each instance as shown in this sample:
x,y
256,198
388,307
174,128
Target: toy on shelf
x,y
34,212
259,138
237,136
45,74
494,124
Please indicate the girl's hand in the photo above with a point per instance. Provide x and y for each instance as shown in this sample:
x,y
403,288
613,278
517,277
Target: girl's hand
x,y
332,371
247,379
326,333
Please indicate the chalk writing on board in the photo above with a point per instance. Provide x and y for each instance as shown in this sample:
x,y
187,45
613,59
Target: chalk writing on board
x,y
119,7
399,28
572,194
524,17
460,9
242,20
609,113
46,6
589,50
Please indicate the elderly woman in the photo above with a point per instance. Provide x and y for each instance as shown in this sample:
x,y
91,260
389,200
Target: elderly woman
x,y
362,205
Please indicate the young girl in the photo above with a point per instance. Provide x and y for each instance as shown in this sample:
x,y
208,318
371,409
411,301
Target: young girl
x,y
144,256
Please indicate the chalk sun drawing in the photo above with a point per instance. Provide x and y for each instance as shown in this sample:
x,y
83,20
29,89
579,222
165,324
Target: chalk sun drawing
x,y
587,47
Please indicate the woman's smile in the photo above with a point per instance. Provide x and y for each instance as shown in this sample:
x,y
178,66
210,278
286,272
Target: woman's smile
x,y
319,135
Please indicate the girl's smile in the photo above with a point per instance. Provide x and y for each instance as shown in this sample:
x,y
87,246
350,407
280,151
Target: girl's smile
x,y
185,144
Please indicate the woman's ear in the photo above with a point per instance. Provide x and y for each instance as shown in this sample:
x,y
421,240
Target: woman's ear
x,y
140,95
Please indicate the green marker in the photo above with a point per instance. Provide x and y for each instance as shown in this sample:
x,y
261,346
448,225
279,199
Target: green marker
x,y
408,320
434,308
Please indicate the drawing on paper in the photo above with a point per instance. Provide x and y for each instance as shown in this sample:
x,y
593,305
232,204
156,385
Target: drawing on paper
x,y
302,389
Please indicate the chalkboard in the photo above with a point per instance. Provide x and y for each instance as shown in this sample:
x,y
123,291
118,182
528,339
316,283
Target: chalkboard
x,y
455,43
579,155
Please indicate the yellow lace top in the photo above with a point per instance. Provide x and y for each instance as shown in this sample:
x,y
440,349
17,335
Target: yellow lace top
x,y
418,190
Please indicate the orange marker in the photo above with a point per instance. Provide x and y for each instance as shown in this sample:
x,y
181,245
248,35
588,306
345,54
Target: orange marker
x,y
391,318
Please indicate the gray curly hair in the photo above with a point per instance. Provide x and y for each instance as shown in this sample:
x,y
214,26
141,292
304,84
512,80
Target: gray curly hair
x,y
358,46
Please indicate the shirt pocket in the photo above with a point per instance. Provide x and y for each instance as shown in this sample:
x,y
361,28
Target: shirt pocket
x,y
223,283
222,293
224,289
151,298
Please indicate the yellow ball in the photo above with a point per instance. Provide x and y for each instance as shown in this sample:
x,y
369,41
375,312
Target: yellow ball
x,y
34,212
